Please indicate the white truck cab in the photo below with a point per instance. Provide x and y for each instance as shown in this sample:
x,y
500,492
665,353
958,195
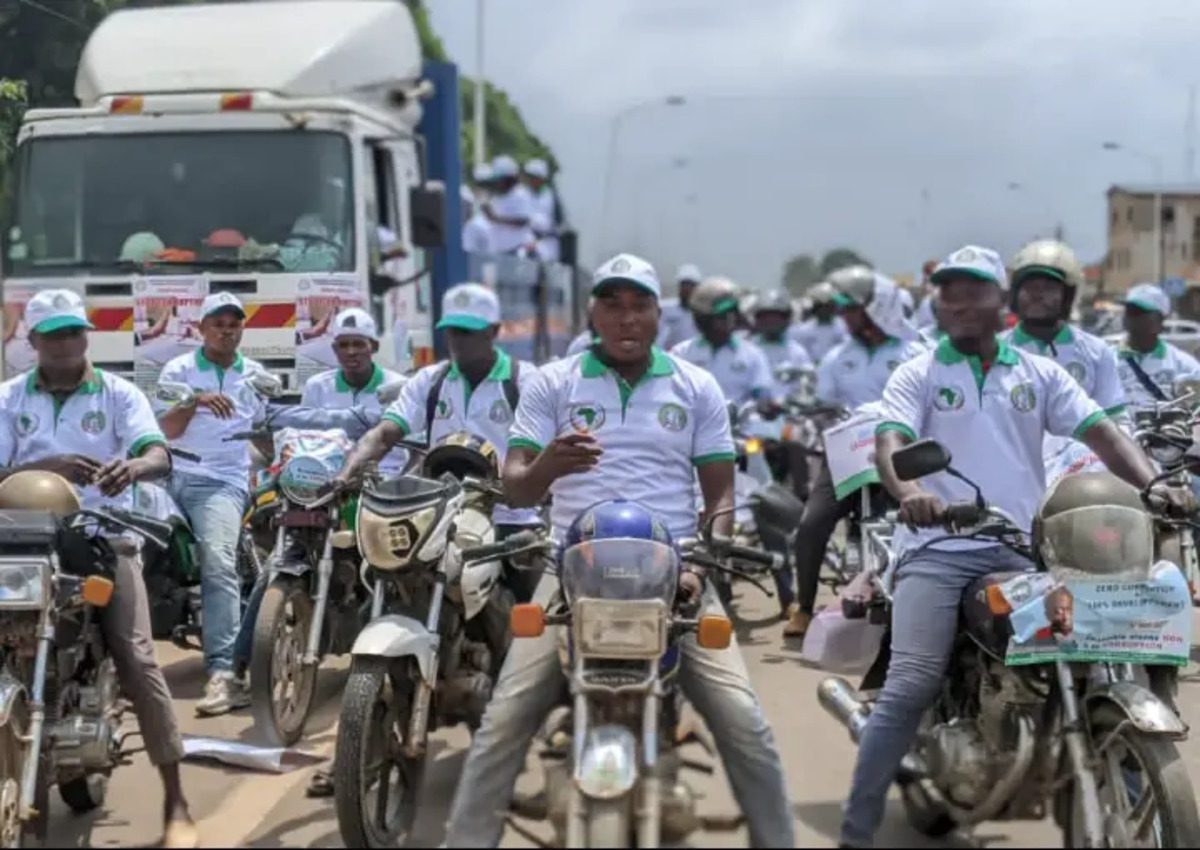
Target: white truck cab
x,y
266,149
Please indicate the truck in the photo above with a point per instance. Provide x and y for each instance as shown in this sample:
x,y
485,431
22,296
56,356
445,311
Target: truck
x,y
267,149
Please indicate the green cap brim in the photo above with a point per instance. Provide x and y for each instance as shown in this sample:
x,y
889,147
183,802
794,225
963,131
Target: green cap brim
x,y
1045,271
939,277
1142,305
843,300
463,323
61,323
622,281
725,305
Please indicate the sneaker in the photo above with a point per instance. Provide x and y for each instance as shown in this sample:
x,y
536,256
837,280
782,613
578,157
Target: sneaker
x,y
798,623
223,693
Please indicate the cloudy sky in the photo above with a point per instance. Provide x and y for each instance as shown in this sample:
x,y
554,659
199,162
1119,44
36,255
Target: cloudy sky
x,y
892,127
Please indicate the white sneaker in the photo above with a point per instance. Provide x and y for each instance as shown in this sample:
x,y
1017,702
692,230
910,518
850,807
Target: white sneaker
x,y
223,693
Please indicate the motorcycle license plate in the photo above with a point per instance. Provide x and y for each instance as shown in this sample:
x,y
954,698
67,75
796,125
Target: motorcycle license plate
x,y
620,629
304,519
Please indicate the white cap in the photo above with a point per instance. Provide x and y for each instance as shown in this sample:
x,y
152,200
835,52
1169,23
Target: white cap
x,y
537,168
355,321
1150,297
629,269
469,307
219,301
482,172
973,261
504,166
689,272
55,310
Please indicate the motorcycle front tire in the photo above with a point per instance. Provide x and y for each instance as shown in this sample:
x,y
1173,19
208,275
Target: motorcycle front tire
x,y
282,724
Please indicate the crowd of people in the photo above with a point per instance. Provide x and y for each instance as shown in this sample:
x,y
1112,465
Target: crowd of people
x,y
639,409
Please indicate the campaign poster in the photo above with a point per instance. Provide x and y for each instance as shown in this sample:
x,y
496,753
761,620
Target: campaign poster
x,y
19,356
318,300
166,323
1100,620
850,452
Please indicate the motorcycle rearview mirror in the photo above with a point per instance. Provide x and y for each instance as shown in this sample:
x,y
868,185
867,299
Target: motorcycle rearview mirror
x,y
266,384
173,393
390,391
925,457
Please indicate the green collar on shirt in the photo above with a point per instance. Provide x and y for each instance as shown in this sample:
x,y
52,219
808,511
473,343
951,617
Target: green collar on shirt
x,y
501,369
888,342
1158,352
204,364
948,355
732,344
1020,337
590,366
343,386
90,385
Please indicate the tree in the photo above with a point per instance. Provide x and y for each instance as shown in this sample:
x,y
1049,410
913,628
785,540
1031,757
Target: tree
x,y
840,258
799,273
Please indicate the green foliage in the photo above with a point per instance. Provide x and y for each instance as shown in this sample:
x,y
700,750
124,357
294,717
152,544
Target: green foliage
x,y
803,270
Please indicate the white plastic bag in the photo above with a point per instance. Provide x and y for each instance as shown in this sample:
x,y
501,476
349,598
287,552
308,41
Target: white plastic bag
x,y
839,645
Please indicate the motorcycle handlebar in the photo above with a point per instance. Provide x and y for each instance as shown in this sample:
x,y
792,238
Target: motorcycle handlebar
x,y
488,551
727,547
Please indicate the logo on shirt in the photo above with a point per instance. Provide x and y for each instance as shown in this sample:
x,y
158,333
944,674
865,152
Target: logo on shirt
x,y
444,409
27,423
1077,370
949,398
93,422
1023,397
672,417
499,412
585,416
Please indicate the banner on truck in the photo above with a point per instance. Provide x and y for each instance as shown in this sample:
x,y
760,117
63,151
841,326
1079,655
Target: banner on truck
x,y
166,323
318,300
1100,620
19,356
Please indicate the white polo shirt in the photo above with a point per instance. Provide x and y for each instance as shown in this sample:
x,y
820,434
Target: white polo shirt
x,y
515,203
994,425
786,352
206,433
653,433
105,418
1088,359
740,367
676,325
1166,365
545,205
483,412
817,338
850,374
330,390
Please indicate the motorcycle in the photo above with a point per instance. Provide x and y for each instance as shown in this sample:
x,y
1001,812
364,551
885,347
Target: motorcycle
x,y
60,704
1010,738
437,635
612,765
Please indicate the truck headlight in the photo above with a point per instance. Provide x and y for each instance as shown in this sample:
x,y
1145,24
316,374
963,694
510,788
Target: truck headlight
x,y
24,584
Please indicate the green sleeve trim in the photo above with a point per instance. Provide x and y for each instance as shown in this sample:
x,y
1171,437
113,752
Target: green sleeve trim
x,y
398,420
523,443
898,427
715,457
1115,411
142,443
1098,416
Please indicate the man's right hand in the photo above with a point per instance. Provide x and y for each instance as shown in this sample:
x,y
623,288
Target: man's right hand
x,y
570,454
220,405
921,509
78,469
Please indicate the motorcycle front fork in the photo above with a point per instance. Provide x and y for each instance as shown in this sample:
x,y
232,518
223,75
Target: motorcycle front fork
x,y
37,717
1079,753
312,653
418,724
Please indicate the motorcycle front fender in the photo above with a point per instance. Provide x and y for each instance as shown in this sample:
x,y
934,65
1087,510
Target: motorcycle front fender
x,y
12,693
395,636
1145,711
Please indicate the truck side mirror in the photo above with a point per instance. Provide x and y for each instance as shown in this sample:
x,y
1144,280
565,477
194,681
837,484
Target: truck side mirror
x,y
427,205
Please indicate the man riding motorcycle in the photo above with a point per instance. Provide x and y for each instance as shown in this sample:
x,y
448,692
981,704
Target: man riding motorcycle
x,y
622,420
991,405
739,365
98,432
851,375
677,324
772,315
1150,367
823,329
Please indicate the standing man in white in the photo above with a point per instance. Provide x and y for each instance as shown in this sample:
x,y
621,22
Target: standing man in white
x,y
677,324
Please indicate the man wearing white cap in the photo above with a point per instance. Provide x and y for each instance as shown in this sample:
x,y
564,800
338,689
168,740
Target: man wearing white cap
x,y
626,420
98,431
677,324
509,209
477,230
546,206
1150,367
214,491
990,404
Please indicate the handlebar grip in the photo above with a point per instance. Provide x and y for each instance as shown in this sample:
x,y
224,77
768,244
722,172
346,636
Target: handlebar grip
x,y
748,553
496,550
963,514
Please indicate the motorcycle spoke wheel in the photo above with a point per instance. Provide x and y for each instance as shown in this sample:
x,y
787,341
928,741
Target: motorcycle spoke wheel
x,y
282,685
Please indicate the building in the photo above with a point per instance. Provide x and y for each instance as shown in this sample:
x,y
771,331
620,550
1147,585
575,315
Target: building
x,y
1131,249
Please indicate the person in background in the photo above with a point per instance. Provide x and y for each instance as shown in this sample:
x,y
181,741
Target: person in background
x,y
213,493
548,207
771,316
477,230
586,337
509,209
677,323
1151,369
823,329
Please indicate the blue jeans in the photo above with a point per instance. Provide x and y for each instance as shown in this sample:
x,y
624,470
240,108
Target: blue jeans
x,y
924,624
214,507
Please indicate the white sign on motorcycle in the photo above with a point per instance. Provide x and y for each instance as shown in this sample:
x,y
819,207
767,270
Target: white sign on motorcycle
x,y
850,452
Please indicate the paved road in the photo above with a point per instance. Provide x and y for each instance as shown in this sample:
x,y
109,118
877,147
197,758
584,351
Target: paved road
x,y
239,808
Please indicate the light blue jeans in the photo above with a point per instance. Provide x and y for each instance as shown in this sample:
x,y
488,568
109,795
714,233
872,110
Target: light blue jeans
x,y
215,508
929,592
531,683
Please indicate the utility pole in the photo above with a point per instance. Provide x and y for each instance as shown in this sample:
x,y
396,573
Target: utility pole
x,y
480,118
1189,142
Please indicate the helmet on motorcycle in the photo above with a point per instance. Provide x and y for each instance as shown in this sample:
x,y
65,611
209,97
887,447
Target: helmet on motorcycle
x,y
618,519
1093,523
773,301
714,297
463,455
853,286
1047,258
37,490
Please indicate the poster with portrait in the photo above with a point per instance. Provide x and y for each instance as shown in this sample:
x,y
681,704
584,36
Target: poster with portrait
x,y
166,322
318,300
19,356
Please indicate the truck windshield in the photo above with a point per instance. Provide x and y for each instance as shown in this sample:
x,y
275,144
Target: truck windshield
x,y
170,202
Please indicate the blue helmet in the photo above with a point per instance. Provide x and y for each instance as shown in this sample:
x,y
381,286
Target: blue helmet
x,y
618,519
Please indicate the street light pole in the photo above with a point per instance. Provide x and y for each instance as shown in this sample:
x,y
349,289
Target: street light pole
x,y
1156,164
480,118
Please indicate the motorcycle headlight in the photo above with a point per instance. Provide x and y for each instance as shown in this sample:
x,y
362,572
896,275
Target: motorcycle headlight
x,y
302,478
629,629
389,543
24,584
608,767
